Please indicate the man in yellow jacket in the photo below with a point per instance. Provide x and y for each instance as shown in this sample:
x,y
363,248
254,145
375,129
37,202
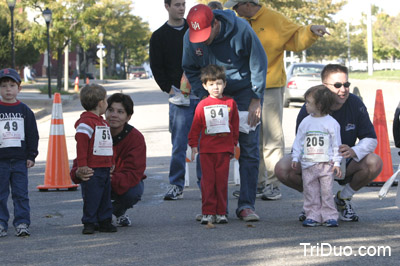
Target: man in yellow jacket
x,y
277,34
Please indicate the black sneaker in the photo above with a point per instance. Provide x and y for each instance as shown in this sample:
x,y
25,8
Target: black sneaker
x,y
174,192
88,229
302,216
345,209
107,227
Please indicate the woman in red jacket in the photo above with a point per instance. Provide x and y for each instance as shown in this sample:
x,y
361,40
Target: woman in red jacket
x,y
129,155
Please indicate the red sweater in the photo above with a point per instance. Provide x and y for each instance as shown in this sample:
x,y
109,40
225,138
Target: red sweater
x,y
130,160
215,143
85,140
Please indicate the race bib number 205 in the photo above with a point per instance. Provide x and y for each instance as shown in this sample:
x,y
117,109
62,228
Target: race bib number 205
x,y
316,147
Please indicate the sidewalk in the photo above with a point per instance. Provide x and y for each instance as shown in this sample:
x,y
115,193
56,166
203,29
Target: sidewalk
x,y
40,103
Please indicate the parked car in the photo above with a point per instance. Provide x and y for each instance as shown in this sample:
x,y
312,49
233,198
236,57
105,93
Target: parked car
x,y
300,77
137,72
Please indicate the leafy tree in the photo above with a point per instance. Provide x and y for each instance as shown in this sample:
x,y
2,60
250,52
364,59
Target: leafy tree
x,y
25,52
386,41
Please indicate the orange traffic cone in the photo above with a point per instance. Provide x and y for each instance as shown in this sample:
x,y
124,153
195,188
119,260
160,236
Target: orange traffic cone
x,y
57,168
383,148
76,88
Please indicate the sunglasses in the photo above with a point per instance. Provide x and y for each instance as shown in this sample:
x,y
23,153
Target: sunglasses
x,y
338,85
238,5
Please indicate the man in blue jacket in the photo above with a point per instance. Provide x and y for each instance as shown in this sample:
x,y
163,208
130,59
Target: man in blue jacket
x,y
219,37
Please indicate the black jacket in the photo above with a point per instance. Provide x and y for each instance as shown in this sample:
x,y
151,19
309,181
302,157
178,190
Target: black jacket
x,y
166,46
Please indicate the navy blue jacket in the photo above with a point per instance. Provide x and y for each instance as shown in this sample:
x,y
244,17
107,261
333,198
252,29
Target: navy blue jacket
x,y
236,48
29,146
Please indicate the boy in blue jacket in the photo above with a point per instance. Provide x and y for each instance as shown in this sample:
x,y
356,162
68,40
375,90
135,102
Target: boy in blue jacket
x,y
19,140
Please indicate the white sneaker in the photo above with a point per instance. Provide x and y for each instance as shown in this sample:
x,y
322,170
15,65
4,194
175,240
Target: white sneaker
x,y
123,220
22,230
3,231
208,219
180,99
221,219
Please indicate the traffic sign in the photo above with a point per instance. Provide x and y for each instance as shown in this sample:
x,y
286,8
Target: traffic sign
x,y
98,53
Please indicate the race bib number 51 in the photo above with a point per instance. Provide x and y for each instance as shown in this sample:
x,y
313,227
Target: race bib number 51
x,y
217,119
103,145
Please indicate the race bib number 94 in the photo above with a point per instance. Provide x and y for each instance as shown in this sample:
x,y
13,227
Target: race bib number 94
x,y
316,147
12,132
103,145
217,119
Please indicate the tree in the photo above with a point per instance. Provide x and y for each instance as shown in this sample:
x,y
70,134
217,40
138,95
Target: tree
x,y
386,41
25,52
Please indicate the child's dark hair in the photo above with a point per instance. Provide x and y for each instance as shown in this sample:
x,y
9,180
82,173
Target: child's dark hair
x,y
7,79
212,73
124,99
323,98
91,95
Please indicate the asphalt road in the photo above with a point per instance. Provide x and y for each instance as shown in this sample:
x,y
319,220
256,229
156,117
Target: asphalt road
x,y
166,233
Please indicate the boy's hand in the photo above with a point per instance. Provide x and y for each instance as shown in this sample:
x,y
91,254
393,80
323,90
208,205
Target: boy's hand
x,y
29,163
194,152
337,171
84,173
294,165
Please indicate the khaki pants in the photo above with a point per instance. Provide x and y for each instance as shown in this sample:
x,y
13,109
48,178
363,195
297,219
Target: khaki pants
x,y
272,143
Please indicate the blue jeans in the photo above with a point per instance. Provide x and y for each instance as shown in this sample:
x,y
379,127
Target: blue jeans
x,y
180,122
15,174
96,194
126,201
249,156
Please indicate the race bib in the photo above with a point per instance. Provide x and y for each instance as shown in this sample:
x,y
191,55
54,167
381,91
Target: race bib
x,y
217,119
316,147
12,132
103,145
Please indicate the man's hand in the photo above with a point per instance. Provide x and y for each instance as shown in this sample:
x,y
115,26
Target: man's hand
x,y
346,151
84,173
254,112
319,30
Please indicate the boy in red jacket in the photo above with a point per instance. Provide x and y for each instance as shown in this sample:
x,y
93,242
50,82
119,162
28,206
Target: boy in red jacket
x,y
216,124
94,148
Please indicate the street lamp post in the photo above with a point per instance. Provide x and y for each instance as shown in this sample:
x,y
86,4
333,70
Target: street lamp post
x,y
101,35
11,6
47,18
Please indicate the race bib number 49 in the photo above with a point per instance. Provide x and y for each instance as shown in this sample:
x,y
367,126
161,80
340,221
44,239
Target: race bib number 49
x,y
12,132
103,145
316,147
217,119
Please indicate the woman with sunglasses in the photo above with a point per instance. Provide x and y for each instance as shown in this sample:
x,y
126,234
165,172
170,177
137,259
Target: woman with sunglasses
x,y
361,165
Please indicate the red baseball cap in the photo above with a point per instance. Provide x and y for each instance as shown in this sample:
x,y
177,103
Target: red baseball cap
x,y
199,20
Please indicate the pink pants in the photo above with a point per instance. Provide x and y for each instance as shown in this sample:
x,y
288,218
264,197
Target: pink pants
x,y
214,182
317,190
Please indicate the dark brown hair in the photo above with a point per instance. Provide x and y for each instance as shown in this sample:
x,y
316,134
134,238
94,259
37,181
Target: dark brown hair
x,y
323,98
331,69
212,73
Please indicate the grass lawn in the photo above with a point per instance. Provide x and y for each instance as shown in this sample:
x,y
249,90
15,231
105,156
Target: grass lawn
x,y
378,75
